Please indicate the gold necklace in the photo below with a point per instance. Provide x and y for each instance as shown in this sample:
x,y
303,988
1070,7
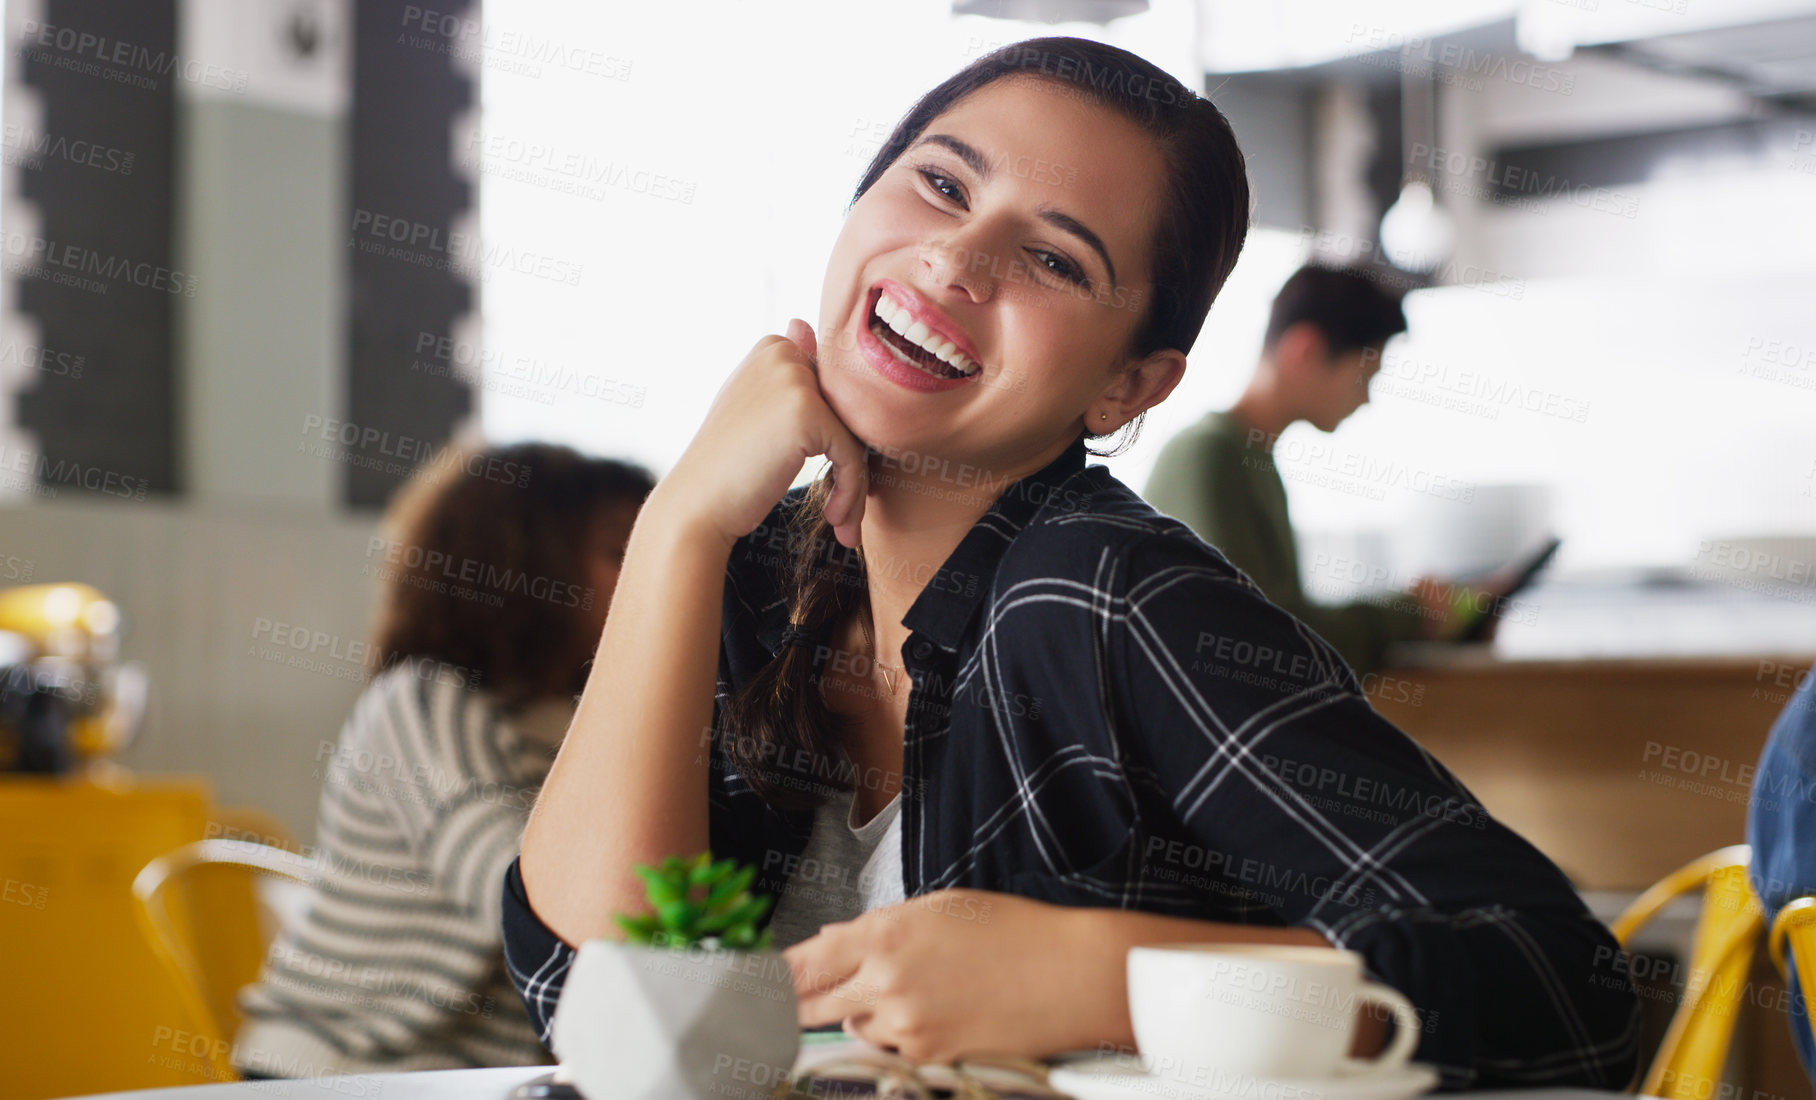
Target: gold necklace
x,y
864,625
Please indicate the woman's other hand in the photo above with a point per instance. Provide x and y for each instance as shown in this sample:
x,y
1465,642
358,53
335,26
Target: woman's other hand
x,y
949,972
972,971
767,419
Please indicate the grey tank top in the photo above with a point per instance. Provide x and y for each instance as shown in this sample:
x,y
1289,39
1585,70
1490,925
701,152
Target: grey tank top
x,y
844,871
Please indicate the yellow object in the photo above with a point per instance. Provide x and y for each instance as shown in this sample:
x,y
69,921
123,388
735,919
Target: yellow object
x,y
1689,1062
62,620
1795,928
209,968
89,1007
72,634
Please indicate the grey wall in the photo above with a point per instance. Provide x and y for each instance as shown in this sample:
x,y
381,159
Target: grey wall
x,y
263,200
1272,118
247,596
209,595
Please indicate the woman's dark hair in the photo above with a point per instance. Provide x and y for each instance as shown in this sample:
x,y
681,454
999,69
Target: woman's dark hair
x,y
780,715
1346,304
483,566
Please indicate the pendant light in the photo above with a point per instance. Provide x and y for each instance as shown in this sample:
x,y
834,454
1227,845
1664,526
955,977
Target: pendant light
x,y
1416,233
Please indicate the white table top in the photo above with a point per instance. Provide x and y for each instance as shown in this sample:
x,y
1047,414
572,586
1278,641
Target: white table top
x,y
444,1084
496,1084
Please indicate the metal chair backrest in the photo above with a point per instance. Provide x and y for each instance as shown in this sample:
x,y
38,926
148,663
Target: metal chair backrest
x,y
207,978
1794,929
1690,1060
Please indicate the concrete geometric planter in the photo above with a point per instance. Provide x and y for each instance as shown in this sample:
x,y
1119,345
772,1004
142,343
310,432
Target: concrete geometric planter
x,y
661,1023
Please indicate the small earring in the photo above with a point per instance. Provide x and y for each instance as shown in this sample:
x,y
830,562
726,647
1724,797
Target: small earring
x,y
1103,416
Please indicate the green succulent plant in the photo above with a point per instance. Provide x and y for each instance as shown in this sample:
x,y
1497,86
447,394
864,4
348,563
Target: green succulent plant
x,y
698,902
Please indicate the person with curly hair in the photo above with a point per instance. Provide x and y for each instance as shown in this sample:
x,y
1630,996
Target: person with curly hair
x,y
496,567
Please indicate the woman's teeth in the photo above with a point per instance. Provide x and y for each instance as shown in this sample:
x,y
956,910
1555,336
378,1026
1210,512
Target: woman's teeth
x,y
897,318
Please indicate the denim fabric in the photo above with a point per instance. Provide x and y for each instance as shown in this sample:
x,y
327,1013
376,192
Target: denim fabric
x,y
1781,827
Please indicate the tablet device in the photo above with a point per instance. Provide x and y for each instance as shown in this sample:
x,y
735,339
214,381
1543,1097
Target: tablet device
x,y
1528,572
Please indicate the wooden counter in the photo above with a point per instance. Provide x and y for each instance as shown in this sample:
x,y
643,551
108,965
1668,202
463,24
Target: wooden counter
x,y
1620,770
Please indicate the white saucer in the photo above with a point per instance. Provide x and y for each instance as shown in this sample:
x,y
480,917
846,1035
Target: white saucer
x,y
1111,1076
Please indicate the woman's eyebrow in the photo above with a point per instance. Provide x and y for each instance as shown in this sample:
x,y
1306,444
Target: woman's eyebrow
x,y
976,161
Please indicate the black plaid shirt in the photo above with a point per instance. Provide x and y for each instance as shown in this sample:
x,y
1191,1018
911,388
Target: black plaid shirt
x,y
1107,713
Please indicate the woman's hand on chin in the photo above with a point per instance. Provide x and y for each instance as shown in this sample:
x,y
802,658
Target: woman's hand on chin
x,y
768,418
951,972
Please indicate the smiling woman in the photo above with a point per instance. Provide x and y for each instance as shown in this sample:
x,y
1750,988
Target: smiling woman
x,y
974,709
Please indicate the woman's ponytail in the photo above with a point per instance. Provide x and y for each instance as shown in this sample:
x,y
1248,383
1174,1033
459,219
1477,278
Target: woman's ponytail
x,y
779,733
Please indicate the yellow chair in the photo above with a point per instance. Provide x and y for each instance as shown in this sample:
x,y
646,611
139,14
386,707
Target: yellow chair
x,y
209,966
1689,1062
1795,928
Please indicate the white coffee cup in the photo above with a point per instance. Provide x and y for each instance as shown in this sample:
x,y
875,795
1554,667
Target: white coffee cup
x,y
1274,1011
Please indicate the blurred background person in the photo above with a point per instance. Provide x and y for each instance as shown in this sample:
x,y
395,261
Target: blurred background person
x,y
499,566
1325,337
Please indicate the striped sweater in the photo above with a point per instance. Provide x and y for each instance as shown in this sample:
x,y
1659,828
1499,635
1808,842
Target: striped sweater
x,y
395,962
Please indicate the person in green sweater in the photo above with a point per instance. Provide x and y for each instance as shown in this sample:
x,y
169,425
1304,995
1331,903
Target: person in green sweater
x,y
1325,336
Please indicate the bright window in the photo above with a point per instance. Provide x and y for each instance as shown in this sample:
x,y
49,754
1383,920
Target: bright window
x,y
696,174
